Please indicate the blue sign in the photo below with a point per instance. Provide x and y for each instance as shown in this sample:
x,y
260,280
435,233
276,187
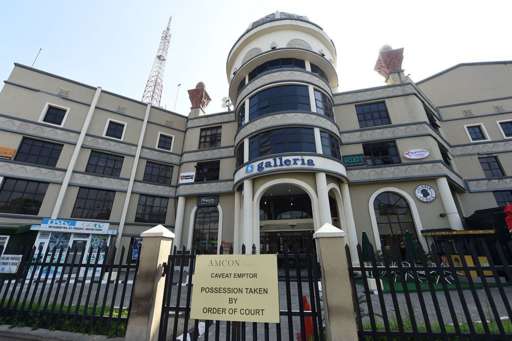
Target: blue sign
x,y
68,225
278,162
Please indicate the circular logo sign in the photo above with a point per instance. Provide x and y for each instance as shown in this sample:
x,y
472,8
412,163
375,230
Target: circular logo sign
x,y
249,168
425,193
416,154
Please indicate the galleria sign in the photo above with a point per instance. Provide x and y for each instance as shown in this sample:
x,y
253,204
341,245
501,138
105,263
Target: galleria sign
x,y
278,162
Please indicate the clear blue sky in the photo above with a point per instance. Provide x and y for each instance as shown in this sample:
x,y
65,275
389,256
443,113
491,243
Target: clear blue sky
x,y
112,43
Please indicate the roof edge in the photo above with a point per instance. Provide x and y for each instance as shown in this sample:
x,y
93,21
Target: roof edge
x,y
464,64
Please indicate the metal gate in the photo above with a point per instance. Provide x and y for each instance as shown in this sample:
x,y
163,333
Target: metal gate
x,y
300,303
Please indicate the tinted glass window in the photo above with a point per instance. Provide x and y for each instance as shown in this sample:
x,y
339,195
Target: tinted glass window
x,y
316,70
279,98
284,140
206,229
54,115
476,133
277,64
38,152
503,197
330,145
207,171
21,196
158,173
115,130
239,153
491,166
507,128
104,164
151,209
381,153
372,114
445,155
323,103
241,115
290,206
164,142
210,137
93,204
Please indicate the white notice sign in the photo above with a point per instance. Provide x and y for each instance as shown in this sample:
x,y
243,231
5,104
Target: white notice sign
x,y
235,288
9,263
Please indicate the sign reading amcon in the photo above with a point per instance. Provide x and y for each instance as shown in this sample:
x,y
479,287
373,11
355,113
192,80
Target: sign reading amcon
x,y
235,288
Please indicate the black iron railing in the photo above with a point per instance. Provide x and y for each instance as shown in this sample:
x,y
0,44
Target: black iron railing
x,y
69,289
299,295
449,295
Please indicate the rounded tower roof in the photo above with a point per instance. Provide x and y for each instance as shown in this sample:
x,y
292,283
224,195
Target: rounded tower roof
x,y
277,15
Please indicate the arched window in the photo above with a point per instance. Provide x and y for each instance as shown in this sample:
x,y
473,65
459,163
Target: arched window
x,y
394,221
206,229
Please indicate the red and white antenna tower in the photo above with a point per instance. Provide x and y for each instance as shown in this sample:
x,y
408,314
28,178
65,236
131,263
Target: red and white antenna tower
x,y
154,86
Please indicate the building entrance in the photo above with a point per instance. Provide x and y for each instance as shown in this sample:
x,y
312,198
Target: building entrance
x,y
290,241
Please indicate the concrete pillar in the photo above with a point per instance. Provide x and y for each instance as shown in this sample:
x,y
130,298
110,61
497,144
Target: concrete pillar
x,y
336,289
350,224
323,198
148,292
450,208
237,227
248,230
178,225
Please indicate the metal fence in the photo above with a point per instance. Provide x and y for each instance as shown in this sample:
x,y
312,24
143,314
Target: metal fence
x,y
299,300
70,289
448,295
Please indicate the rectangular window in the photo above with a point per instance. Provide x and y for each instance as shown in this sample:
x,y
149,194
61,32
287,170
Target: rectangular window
x,y
164,142
3,243
158,173
104,164
210,137
381,153
372,114
503,197
22,196
506,128
93,203
476,133
445,155
491,166
282,140
54,115
323,103
330,145
151,209
279,99
38,152
115,129
241,115
207,171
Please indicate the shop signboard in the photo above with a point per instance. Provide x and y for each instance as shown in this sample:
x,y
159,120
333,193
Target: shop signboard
x,y
353,160
416,154
187,177
208,201
9,263
236,288
76,226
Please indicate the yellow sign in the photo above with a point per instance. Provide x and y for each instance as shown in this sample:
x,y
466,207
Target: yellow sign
x,y
7,153
235,288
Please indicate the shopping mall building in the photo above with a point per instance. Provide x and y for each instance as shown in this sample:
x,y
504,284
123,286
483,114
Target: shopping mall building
x,y
84,166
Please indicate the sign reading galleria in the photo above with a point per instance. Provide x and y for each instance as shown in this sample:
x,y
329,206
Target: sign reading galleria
x,y
278,162
235,288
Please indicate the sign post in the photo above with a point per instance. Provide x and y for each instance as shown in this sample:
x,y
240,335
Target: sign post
x,y
236,288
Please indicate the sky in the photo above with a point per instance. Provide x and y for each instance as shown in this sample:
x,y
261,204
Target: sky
x,y
112,43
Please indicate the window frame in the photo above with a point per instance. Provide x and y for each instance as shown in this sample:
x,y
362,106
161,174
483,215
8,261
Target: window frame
x,y
7,237
160,133
115,121
500,191
155,182
26,138
93,151
34,195
142,209
45,110
498,163
372,119
482,128
202,180
257,113
218,127
74,215
501,128
369,159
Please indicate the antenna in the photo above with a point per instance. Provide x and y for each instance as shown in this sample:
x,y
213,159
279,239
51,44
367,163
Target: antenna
x,y
37,56
177,93
154,86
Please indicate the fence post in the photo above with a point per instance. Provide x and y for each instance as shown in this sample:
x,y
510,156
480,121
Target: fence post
x,y
336,289
149,287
